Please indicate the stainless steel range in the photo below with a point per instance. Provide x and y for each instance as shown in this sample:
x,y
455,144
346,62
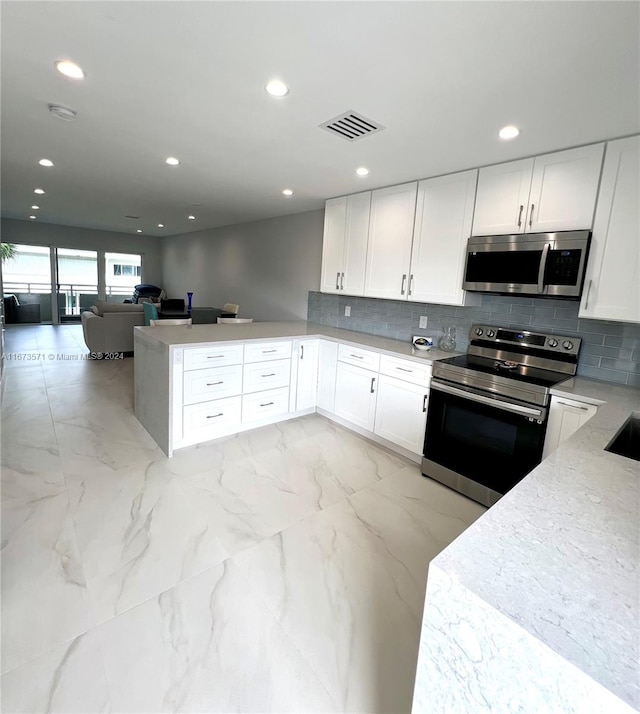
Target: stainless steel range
x,y
488,409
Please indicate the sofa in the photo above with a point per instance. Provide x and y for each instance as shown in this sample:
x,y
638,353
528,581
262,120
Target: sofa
x,y
108,326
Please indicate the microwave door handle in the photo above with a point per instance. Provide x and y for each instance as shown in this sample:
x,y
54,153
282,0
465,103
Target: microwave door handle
x,y
543,266
498,404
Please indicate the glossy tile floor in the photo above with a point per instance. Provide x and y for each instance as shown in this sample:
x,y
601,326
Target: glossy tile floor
x,y
280,570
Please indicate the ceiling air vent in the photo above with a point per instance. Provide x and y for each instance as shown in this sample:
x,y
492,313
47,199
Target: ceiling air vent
x,y
352,126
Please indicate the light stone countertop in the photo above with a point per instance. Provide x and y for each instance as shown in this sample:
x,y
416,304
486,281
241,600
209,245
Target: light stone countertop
x,y
559,555
188,336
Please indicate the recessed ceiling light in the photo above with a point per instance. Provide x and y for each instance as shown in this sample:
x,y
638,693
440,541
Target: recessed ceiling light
x,y
139,230
33,218
35,208
69,69
362,171
508,132
191,218
276,88
45,162
39,191
287,192
160,225
172,161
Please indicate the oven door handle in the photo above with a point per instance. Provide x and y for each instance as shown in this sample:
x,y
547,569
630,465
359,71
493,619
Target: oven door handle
x,y
498,404
543,267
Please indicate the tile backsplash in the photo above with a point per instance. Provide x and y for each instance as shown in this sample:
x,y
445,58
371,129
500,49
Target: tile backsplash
x,y
610,350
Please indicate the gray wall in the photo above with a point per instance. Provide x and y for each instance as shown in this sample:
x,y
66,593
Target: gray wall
x,y
267,267
610,350
34,233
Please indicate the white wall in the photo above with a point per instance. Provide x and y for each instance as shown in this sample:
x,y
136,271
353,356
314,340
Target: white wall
x,y
267,267
34,233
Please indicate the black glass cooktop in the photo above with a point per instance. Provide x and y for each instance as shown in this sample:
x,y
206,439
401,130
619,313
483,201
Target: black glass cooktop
x,y
530,375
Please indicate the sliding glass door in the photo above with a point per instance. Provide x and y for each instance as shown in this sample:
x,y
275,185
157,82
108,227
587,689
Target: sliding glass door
x,y
26,275
77,285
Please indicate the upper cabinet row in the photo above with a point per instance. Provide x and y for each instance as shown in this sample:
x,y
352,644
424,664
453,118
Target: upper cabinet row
x,y
408,242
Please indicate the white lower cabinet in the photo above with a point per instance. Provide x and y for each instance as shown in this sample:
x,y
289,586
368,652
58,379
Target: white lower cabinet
x,y
265,405
356,395
203,385
327,366
306,356
566,416
259,376
206,421
401,413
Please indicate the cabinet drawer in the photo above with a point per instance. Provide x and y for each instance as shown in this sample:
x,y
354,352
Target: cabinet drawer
x,y
261,351
203,357
202,385
265,404
406,369
212,416
361,358
266,375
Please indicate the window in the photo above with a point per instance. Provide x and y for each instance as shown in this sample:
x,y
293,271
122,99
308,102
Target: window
x,y
119,269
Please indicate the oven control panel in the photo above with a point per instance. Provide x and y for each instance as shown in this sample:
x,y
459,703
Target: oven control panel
x,y
536,340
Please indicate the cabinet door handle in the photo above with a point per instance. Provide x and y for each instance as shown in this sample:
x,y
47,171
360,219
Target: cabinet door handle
x,y
410,284
573,406
586,300
268,404
266,352
338,280
357,356
404,369
342,281
373,381
404,280
520,215
271,374
301,351
213,384
531,215
214,416
424,403
214,356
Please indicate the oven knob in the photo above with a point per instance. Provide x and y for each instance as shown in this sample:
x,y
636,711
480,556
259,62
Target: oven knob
x,y
567,345
491,333
479,331
553,343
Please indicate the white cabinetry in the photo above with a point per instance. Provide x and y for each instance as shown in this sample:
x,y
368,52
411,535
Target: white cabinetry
x,y
327,365
566,416
553,192
344,244
306,355
390,238
444,214
401,413
612,287
356,395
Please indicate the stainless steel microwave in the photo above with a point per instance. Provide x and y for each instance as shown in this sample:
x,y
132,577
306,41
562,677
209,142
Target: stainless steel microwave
x,y
541,264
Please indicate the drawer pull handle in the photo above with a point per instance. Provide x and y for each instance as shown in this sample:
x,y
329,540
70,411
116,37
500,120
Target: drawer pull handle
x,y
214,416
266,352
404,369
373,381
213,384
424,403
214,356
574,406
271,374
357,356
268,404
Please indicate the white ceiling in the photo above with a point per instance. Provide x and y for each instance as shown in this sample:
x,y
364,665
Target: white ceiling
x,y
187,79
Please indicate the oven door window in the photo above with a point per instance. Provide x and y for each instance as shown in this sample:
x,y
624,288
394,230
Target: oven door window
x,y
493,447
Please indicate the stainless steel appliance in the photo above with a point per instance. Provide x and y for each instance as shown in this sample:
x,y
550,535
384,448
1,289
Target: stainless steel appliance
x,y
488,409
541,264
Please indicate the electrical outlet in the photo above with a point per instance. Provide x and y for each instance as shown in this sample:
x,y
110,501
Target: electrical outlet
x,y
347,310
423,322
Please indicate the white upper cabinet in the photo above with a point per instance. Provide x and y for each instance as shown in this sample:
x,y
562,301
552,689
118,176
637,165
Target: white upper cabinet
x,y
444,214
554,192
564,188
502,198
390,237
344,244
612,286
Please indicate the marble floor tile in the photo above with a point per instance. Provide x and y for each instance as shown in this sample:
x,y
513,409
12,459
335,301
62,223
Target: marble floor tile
x,y
207,645
137,531
44,596
68,680
343,612
22,379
